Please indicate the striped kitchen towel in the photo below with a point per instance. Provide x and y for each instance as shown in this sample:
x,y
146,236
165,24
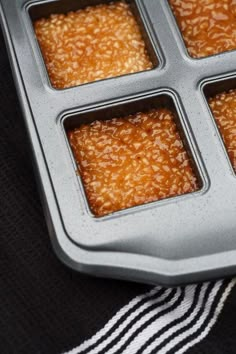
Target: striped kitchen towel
x,y
165,321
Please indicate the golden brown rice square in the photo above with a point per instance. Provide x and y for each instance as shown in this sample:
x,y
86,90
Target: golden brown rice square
x,y
92,44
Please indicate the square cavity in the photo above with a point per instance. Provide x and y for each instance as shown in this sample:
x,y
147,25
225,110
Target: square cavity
x,y
208,27
85,41
221,98
132,154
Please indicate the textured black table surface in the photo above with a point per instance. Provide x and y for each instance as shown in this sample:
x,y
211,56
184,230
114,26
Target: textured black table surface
x,y
44,306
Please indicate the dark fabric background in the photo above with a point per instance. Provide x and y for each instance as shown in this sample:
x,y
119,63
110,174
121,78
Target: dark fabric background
x,y
44,306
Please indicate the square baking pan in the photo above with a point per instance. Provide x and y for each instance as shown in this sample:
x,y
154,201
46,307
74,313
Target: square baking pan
x,y
178,240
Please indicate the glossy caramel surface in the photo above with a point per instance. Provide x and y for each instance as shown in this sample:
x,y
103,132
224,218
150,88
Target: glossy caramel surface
x,y
91,44
208,26
223,107
124,162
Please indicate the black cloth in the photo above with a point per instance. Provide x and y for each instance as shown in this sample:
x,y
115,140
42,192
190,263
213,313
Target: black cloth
x,y
44,306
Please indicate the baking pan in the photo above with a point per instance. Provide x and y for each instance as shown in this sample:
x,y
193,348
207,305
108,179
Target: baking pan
x,y
178,240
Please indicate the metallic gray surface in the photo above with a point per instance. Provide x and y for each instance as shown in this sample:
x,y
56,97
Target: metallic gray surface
x,y
178,240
